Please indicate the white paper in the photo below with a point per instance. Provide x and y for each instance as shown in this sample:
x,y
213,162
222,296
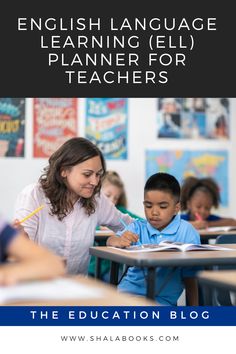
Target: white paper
x,y
167,339
103,232
56,289
175,246
221,228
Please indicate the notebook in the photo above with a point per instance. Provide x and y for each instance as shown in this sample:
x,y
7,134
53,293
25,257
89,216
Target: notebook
x,y
173,246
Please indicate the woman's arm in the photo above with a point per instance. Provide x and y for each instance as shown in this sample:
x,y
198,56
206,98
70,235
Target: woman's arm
x,y
109,216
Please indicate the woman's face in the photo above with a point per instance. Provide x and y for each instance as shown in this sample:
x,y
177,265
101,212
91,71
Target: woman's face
x,y
112,192
83,178
200,204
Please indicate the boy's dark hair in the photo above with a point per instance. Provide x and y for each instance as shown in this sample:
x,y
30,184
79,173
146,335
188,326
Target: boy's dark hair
x,y
193,184
165,182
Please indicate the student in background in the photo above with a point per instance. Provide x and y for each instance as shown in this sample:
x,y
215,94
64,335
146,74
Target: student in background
x,y
163,222
221,130
70,190
28,261
113,188
198,197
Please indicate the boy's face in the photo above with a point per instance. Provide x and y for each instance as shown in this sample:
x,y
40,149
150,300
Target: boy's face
x,y
159,208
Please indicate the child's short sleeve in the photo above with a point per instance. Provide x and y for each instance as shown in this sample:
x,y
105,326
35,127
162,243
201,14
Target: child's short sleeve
x,y
7,234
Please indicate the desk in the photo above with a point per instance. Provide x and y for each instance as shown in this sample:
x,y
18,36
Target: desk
x,y
110,297
103,235
100,239
152,260
206,235
222,279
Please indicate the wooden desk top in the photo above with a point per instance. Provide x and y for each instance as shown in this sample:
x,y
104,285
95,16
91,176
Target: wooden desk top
x,y
110,297
206,232
103,235
167,258
221,278
206,235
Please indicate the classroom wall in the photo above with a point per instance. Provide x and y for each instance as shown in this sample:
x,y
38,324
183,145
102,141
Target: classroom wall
x,y
142,131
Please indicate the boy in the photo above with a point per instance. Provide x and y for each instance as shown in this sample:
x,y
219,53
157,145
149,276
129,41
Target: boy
x,y
161,206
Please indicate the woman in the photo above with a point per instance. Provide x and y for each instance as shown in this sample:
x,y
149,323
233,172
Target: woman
x,y
70,190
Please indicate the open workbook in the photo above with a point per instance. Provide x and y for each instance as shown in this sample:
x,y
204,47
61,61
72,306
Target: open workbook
x,y
173,246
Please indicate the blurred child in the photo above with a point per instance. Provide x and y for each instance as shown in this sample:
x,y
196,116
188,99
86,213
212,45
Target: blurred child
x,y
113,188
198,197
161,207
28,261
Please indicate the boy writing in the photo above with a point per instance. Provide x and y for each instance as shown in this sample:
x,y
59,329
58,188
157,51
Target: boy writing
x,y
161,207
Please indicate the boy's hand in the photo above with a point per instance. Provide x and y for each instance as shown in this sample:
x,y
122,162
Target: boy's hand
x,y
125,240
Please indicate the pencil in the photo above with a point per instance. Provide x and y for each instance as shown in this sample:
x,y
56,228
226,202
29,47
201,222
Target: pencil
x,y
123,223
198,217
125,226
31,214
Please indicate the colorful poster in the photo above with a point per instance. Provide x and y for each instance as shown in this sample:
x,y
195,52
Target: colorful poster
x,y
182,164
218,112
55,121
193,118
12,127
106,125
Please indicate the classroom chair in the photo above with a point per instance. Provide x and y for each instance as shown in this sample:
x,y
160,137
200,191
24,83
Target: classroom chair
x,y
222,297
226,238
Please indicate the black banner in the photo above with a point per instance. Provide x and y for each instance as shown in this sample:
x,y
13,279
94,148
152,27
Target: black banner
x,y
93,50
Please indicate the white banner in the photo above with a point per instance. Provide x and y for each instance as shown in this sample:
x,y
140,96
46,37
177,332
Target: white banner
x,y
107,340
